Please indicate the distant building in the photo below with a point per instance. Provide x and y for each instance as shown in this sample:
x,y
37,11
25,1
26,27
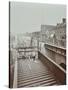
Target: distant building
x,y
36,34
46,31
61,33
35,38
54,34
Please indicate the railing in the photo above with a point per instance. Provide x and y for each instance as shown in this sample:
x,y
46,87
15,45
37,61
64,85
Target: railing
x,y
56,69
56,49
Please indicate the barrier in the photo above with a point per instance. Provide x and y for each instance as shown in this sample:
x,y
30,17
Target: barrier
x,y
56,69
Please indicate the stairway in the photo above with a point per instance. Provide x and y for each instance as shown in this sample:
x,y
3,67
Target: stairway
x,y
34,73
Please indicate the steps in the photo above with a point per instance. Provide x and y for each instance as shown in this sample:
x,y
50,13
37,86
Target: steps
x,y
34,73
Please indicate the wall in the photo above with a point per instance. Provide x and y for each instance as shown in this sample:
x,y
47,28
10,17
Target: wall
x,y
59,73
56,57
55,53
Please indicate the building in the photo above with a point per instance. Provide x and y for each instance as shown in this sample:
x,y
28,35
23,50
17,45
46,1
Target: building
x,y
61,33
55,35
46,31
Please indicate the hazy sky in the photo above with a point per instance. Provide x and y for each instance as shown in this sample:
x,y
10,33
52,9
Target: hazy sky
x,y
28,17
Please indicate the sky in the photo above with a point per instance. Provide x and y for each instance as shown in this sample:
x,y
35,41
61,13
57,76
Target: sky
x,y
28,17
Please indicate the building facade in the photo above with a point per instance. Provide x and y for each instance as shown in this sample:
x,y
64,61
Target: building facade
x,y
60,33
55,35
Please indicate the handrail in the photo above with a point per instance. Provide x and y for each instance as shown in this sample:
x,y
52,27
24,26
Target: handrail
x,y
55,63
56,52
55,46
